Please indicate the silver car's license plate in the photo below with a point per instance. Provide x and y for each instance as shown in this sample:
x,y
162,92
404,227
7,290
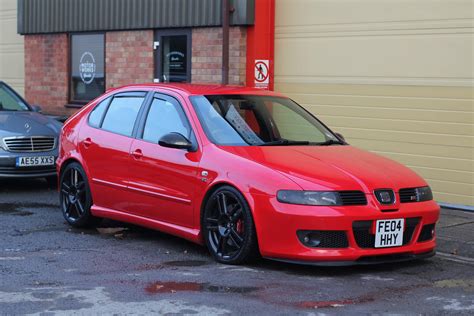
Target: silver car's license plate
x,y
35,161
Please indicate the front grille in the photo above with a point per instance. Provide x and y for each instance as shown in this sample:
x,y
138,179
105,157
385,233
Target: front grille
x,y
426,233
30,144
323,238
407,195
365,239
353,198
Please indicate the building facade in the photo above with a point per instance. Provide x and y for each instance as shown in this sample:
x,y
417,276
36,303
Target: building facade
x,y
395,77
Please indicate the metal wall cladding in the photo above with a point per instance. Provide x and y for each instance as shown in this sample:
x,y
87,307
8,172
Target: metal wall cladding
x,y
57,16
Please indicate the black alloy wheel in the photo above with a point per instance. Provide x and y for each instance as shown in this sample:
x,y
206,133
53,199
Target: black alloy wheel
x,y
75,197
228,227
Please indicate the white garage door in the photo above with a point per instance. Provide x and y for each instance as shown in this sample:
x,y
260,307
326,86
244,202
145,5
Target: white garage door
x,y
394,77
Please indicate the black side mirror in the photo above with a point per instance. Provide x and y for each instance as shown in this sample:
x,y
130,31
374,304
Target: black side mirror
x,y
36,108
176,140
339,135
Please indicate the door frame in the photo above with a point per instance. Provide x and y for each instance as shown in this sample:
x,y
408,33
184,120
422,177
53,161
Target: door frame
x,y
157,36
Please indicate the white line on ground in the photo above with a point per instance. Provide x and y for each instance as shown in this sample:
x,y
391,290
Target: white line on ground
x,y
455,258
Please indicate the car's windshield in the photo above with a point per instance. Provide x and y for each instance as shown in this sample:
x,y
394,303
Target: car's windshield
x,y
239,120
9,101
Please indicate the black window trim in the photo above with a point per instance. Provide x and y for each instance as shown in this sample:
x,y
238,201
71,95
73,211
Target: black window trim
x,y
146,111
80,103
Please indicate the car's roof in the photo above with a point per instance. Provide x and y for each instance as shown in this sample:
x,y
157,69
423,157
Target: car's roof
x,y
204,89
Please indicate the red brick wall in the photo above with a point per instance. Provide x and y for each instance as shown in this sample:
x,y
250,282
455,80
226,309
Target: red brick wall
x,y
128,57
46,71
207,55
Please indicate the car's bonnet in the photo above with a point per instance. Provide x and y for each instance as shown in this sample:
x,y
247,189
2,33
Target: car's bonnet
x,y
332,167
27,124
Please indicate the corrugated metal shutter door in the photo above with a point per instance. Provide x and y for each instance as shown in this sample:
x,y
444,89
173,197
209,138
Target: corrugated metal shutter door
x,y
395,77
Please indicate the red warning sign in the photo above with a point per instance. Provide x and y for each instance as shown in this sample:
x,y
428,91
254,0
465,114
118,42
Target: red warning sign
x,y
262,71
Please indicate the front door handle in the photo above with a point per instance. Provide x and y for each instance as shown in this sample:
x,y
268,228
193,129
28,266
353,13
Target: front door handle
x,y
137,154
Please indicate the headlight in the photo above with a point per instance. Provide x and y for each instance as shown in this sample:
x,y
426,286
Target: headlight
x,y
309,197
423,194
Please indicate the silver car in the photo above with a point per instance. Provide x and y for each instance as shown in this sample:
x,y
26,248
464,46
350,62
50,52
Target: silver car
x,y
28,139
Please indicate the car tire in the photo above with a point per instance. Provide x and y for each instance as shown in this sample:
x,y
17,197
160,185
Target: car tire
x,y
75,197
228,227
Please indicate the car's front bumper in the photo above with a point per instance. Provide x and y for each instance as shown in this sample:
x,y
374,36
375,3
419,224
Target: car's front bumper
x,y
8,168
277,225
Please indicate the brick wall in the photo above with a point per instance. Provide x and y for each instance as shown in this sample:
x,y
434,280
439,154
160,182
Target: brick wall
x,y
46,71
128,57
206,62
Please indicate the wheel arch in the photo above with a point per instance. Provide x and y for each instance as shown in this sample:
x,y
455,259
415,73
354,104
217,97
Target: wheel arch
x,y
247,197
214,187
67,162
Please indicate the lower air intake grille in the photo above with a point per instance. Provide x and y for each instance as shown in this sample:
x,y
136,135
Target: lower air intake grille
x,y
353,198
365,239
323,238
426,233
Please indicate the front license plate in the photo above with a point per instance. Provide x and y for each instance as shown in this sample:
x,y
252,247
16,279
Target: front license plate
x,y
389,233
35,161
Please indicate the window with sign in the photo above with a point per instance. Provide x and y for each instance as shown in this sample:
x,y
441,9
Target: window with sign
x,y
87,67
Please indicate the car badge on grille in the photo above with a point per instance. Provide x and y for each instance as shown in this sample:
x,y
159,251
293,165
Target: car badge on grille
x,y
27,127
385,196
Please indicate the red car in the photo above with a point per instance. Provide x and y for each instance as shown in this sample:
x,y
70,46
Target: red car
x,y
244,171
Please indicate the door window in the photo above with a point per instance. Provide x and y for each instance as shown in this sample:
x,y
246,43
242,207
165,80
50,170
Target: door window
x,y
165,116
122,114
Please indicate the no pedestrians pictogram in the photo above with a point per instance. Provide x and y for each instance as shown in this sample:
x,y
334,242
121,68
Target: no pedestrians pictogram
x,y
261,72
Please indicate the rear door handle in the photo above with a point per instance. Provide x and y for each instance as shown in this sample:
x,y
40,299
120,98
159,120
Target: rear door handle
x,y
87,142
137,154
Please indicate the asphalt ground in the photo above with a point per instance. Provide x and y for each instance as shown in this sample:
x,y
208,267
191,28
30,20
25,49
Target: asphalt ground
x,y
47,267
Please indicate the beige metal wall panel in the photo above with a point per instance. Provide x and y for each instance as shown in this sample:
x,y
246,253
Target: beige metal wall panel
x,y
395,77
11,47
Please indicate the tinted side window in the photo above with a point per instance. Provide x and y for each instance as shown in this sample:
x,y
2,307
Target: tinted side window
x,y
98,112
121,115
165,117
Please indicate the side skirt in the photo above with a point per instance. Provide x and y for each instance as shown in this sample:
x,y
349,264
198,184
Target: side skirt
x,y
183,232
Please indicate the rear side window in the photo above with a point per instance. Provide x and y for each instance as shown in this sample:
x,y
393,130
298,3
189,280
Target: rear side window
x,y
122,114
95,118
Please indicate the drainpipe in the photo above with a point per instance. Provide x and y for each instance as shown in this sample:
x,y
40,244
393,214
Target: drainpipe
x,y
226,10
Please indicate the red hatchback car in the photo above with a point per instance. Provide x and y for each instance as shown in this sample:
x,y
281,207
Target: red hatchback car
x,y
244,171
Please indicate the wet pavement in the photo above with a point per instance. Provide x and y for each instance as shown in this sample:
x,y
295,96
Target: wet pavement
x,y
48,267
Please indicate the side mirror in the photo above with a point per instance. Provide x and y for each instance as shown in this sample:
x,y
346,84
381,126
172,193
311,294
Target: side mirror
x,y
339,135
36,108
175,140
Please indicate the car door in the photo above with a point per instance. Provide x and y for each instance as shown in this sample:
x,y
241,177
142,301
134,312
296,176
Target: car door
x,y
104,143
163,180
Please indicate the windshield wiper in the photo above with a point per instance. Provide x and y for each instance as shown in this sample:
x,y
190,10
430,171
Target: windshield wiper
x,y
286,142
330,142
